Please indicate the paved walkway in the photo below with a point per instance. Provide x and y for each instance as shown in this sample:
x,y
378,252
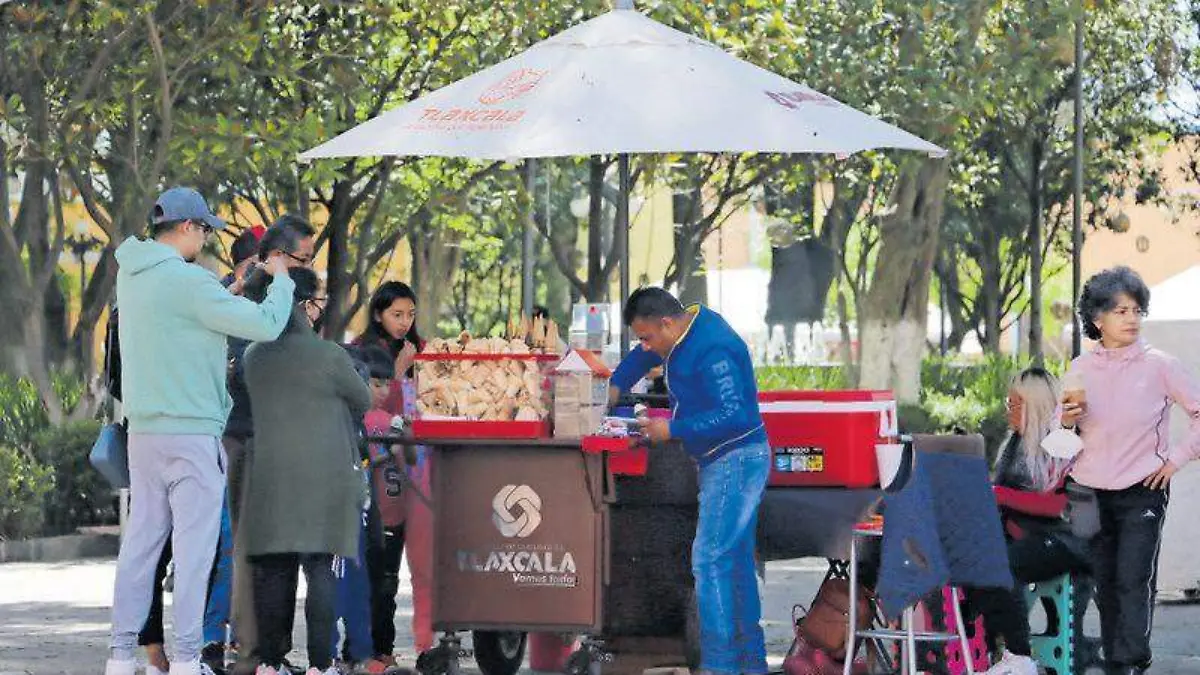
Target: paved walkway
x,y
54,618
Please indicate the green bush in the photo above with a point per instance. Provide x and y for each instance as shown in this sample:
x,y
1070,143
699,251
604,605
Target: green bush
x,y
22,414
801,378
24,484
48,485
954,395
81,496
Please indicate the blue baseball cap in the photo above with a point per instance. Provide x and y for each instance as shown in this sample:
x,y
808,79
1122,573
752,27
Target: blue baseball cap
x,y
182,203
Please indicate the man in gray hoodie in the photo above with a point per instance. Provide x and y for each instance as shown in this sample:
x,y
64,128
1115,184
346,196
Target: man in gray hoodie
x,y
175,320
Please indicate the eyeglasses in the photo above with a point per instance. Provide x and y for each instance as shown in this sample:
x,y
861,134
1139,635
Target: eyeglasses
x,y
303,260
205,228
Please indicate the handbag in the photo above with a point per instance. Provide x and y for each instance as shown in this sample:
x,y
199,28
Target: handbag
x,y
827,623
1083,510
805,659
110,454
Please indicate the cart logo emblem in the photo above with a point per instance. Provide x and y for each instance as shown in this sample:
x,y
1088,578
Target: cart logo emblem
x,y
514,85
517,511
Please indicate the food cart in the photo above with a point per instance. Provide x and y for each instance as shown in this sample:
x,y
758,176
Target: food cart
x,y
534,534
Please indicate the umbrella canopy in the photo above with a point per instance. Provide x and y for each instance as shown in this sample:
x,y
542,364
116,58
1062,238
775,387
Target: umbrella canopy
x,y
619,83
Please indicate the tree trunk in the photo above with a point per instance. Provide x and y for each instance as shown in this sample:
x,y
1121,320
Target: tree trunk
x,y
990,291
893,332
961,320
1035,254
693,283
433,261
338,279
597,282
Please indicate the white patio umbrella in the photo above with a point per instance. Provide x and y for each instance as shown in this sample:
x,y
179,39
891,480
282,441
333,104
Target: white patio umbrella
x,y
619,83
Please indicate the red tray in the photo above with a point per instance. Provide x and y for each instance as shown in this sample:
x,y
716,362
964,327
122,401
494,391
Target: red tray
x,y
624,458
479,429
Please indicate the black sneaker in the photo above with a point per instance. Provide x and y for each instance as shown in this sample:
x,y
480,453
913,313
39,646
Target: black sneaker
x,y
213,655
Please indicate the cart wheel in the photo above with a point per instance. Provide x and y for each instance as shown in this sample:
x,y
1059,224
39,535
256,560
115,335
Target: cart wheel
x,y
499,652
436,661
580,663
691,632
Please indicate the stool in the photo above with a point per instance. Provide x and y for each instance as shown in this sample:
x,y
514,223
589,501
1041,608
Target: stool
x,y
951,660
1063,648
908,636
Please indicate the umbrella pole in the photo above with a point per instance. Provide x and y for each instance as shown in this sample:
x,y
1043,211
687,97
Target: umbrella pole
x,y
527,241
623,242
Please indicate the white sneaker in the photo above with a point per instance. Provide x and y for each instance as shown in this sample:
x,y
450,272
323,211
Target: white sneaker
x,y
114,667
196,667
152,669
1012,664
264,669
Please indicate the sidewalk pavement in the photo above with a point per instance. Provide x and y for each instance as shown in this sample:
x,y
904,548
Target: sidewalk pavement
x,y
54,618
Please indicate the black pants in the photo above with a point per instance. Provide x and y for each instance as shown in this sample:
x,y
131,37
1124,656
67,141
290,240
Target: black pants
x,y
275,579
152,631
383,569
1125,564
1037,557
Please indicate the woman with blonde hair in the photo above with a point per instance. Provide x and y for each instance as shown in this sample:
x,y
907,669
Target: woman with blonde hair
x,y
1029,488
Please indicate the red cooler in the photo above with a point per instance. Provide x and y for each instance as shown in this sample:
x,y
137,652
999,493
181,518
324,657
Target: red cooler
x,y
827,438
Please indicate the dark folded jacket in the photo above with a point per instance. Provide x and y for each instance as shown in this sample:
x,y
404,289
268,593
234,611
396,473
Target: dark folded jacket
x,y
942,528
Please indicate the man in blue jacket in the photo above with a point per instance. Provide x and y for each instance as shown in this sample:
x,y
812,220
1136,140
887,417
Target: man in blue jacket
x,y
714,402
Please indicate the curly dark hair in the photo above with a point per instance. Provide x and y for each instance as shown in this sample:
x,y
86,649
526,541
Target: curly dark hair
x,y
1100,295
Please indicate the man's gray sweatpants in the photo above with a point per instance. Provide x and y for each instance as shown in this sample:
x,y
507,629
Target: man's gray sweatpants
x,y
177,486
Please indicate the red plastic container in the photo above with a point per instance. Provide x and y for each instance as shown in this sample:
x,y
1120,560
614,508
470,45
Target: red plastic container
x,y
827,438
624,458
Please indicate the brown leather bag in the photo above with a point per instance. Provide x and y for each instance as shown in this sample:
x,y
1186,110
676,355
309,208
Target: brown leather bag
x,y
825,625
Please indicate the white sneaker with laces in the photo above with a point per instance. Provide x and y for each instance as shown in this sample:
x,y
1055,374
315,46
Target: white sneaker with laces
x,y
115,667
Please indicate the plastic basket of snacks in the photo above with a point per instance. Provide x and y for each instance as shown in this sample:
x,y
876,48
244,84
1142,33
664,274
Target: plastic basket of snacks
x,y
485,387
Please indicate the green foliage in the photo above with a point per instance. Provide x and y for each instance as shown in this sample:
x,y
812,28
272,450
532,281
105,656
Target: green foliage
x,y
81,496
24,484
955,396
22,414
804,378
46,483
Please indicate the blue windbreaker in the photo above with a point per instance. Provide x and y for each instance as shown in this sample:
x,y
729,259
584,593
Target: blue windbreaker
x,y
710,378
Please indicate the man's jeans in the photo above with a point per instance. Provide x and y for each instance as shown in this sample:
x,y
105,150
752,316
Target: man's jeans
x,y
731,488
216,612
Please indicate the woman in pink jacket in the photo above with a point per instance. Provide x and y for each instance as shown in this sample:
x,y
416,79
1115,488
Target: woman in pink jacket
x,y
1127,455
